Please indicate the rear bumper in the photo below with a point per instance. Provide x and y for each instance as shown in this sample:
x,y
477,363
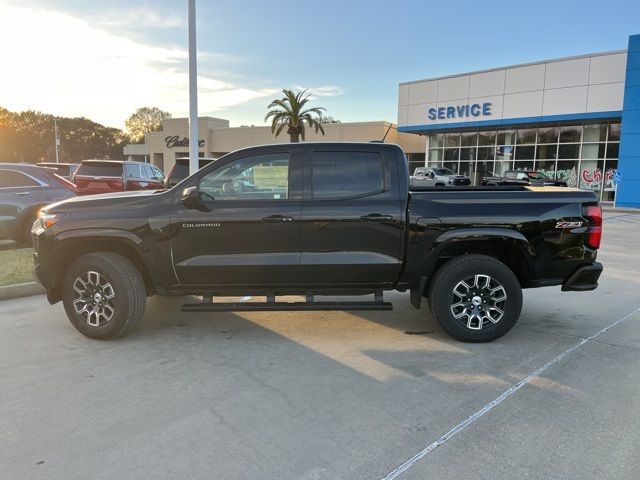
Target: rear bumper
x,y
583,279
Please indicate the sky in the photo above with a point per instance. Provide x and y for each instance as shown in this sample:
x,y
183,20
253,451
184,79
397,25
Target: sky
x,y
104,59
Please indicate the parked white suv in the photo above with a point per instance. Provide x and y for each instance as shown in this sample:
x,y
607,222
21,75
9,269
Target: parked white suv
x,y
437,177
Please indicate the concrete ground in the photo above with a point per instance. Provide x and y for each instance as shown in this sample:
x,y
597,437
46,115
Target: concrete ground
x,y
326,395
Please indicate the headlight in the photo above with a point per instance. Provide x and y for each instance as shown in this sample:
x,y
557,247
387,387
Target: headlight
x,y
47,219
451,181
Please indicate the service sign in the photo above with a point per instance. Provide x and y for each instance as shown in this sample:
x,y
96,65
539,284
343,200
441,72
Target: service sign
x,y
462,112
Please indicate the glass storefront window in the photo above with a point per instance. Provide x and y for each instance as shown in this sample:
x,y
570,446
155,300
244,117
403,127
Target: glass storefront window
x,y
504,152
523,165
506,137
570,133
568,171
452,140
466,168
468,153
453,166
547,152
570,150
451,154
594,133
486,153
526,136
470,139
613,150
487,137
435,155
609,170
591,174
436,140
593,150
548,134
525,152
501,168
483,169
547,167
614,132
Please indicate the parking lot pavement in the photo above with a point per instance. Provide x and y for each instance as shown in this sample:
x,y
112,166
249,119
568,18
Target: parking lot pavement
x,y
331,395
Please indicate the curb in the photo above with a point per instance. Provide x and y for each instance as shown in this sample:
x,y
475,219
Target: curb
x,y
18,290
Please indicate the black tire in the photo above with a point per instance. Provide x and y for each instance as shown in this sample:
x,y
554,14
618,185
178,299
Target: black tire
x,y
122,280
478,311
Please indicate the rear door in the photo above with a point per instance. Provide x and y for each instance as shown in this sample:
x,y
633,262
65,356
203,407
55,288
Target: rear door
x,y
352,217
18,191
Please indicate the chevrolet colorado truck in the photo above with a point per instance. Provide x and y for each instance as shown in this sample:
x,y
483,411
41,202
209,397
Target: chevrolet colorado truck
x,y
316,219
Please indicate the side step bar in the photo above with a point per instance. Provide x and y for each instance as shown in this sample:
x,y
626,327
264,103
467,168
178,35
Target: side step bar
x,y
271,305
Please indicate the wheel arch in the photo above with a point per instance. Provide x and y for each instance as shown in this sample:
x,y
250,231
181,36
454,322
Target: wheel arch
x,y
510,247
76,243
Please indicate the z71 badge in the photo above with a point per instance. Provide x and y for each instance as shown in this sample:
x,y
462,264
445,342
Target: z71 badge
x,y
569,224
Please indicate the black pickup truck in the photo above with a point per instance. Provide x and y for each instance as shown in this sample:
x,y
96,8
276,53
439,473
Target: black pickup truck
x,y
316,219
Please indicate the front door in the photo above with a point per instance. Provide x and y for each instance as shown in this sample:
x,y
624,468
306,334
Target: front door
x,y
352,218
247,233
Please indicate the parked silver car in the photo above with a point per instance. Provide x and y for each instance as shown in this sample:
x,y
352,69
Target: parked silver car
x,y
437,177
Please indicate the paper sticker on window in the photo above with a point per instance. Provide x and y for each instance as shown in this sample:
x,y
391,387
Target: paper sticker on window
x,y
276,195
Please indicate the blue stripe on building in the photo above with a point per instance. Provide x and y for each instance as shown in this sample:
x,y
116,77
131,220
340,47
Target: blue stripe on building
x,y
628,194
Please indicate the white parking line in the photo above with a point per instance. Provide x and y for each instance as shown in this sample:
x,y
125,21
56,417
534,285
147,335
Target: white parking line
x,y
497,401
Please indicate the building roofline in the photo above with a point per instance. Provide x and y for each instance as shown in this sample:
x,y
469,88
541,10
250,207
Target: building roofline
x,y
539,62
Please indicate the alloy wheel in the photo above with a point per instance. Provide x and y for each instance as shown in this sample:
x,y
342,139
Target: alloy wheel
x,y
94,298
478,301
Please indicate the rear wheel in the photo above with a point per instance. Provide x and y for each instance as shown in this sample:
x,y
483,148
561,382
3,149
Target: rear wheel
x,y
104,295
475,298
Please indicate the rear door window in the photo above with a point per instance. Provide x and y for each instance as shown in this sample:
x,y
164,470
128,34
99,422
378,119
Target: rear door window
x,y
346,174
100,169
133,171
14,179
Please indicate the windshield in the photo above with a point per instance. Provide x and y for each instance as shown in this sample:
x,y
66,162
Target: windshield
x,y
443,171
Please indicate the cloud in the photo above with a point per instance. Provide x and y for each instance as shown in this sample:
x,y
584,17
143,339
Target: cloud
x,y
324,90
139,17
64,65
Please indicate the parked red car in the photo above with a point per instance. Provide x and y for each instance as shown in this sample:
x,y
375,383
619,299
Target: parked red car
x,y
105,176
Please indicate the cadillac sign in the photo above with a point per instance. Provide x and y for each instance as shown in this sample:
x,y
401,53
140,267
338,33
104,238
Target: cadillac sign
x,y
176,141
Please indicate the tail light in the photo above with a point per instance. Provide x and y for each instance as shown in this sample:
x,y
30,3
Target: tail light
x,y
594,232
66,184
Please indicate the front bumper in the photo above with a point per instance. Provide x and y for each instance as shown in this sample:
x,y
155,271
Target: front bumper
x,y
583,279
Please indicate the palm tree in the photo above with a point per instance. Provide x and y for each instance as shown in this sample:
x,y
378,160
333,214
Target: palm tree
x,y
289,112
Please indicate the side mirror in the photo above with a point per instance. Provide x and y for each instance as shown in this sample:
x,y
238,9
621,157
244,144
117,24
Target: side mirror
x,y
190,198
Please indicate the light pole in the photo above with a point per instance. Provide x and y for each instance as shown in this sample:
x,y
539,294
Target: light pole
x,y
57,138
193,91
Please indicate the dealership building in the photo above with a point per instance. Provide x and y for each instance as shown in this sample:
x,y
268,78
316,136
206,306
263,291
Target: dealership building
x,y
575,118
217,138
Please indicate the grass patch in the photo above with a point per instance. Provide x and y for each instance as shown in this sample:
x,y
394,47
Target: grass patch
x,y
16,266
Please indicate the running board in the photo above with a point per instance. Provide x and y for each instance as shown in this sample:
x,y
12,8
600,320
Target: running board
x,y
271,305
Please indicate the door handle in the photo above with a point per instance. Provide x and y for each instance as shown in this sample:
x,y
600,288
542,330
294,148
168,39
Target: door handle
x,y
376,217
277,219
23,193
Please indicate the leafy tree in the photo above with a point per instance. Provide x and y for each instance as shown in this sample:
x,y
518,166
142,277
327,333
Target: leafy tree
x,y
289,112
328,119
29,137
143,121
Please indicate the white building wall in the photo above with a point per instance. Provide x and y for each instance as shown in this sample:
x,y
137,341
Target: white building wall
x,y
576,85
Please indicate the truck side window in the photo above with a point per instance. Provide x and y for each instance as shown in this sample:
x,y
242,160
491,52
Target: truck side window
x,y
258,177
346,174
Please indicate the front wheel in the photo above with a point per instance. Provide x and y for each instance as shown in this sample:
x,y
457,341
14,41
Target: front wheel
x,y
104,295
475,298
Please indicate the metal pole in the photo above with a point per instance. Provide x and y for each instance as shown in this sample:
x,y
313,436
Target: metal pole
x,y
57,139
193,91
